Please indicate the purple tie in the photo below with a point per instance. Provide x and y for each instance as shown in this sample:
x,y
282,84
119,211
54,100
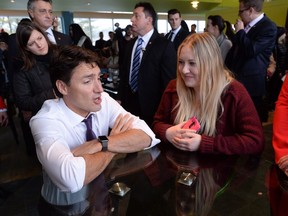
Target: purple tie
x,y
90,135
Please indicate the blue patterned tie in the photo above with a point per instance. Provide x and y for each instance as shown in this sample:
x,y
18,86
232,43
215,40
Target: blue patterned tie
x,y
136,66
90,135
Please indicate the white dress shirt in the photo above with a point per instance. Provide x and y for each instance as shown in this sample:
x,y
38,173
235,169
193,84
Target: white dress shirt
x,y
57,130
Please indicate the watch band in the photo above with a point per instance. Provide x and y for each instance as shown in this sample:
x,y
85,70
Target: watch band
x,y
104,142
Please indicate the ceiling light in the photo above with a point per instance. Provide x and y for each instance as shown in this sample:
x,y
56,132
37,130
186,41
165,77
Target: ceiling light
x,y
195,4
12,1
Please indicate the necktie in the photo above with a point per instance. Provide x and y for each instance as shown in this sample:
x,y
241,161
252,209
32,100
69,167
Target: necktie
x,y
246,29
90,135
136,66
51,38
170,36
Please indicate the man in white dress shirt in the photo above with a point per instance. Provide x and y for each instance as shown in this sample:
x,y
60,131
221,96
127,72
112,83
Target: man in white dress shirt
x,y
70,162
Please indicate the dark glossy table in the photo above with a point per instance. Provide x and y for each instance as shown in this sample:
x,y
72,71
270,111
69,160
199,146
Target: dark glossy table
x,y
166,181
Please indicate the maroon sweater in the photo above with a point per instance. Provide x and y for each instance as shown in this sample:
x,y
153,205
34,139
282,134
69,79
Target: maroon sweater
x,y
239,130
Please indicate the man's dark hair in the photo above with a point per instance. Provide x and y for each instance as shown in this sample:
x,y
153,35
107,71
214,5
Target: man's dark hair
x,y
256,4
174,11
149,11
65,59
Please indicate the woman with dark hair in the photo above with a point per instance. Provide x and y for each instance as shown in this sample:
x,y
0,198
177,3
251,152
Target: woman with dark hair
x,y
79,37
32,84
216,26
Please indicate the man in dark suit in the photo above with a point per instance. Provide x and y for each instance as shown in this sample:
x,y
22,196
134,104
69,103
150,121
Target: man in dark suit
x,y
41,12
101,43
252,46
177,33
140,91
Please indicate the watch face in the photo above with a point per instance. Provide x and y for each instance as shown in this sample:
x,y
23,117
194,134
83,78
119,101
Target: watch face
x,y
102,138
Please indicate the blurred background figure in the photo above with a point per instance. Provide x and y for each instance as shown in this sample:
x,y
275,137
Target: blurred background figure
x,y
79,37
100,44
193,28
112,65
216,26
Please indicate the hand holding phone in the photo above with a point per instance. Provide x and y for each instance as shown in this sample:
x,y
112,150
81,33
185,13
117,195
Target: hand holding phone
x,y
192,124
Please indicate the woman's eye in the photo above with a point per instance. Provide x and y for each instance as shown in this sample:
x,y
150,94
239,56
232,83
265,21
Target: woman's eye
x,y
192,63
180,62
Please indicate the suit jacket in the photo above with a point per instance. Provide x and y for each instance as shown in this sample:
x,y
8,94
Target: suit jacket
x,y
180,36
249,56
157,68
62,39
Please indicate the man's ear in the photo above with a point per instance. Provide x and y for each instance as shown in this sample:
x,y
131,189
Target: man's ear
x,y
30,12
150,19
62,87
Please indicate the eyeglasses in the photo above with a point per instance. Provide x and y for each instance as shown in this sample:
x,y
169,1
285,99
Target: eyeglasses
x,y
241,11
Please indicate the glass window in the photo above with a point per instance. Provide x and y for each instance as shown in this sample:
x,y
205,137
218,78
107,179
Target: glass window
x,y
85,25
163,26
122,23
9,24
200,24
98,25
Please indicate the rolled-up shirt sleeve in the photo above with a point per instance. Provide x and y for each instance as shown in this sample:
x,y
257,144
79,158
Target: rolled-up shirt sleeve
x,y
66,171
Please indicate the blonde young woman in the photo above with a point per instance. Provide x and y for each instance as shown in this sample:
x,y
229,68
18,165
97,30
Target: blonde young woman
x,y
206,90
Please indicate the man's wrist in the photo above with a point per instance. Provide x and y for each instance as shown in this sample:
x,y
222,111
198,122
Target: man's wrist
x,y
104,142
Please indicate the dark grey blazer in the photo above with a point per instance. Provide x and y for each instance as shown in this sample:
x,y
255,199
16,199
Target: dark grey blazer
x,y
249,56
181,35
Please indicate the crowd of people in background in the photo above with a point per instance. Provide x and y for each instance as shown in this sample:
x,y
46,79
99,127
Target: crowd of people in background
x,y
222,77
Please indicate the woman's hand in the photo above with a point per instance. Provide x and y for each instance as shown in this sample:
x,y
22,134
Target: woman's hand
x,y
184,139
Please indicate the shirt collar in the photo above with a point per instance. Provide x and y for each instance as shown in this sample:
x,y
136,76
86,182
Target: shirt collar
x,y
176,30
72,117
147,37
256,20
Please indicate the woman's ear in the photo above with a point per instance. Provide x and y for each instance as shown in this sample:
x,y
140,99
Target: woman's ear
x,y
62,87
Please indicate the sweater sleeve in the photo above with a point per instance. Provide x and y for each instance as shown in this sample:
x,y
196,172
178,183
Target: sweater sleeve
x,y
239,130
164,118
280,124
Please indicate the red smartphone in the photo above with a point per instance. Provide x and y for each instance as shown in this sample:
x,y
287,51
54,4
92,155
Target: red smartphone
x,y
192,124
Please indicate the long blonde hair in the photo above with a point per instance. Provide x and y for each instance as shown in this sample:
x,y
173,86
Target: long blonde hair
x,y
214,78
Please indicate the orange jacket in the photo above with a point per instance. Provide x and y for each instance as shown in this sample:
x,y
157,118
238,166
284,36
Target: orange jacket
x,y
280,124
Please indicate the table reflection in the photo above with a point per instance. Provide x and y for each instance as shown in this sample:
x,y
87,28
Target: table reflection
x,y
158,182
277,186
